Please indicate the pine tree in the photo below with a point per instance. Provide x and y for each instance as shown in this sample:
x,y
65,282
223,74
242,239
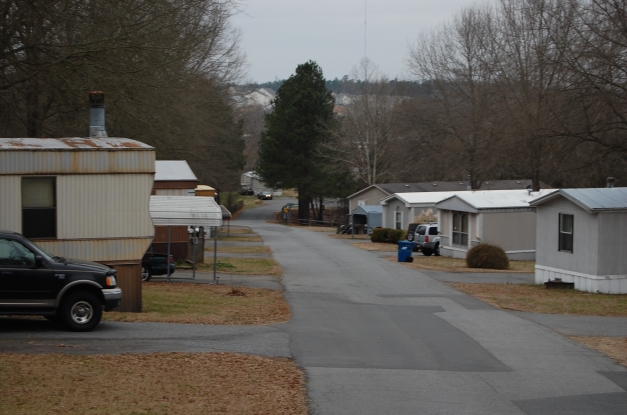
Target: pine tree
x,y
302,120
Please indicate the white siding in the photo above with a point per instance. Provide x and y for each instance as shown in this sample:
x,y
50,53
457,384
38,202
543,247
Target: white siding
x,y
100,250
11,203
104,206
612,245
511,231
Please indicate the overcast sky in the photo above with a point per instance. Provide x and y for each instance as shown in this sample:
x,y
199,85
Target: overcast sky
x,y
278,35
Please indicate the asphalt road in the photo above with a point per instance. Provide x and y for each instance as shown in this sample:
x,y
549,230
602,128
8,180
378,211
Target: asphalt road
x,y
378,338
375,337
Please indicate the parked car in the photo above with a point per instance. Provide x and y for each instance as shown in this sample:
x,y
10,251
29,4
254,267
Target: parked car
x,y
69,291
156,264
426,237
247,192
266,194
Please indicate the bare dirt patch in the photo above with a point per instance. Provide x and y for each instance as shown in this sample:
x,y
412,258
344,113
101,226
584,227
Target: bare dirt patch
x,y
158,383
206,304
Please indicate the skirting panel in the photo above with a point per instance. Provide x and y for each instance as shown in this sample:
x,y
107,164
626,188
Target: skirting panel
x,y
612,284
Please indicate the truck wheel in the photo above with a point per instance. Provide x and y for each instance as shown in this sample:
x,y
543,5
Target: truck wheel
x,y
436,251
80,311
426,252
146,273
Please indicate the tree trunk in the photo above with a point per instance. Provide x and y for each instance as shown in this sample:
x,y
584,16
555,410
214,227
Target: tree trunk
x,y
303,207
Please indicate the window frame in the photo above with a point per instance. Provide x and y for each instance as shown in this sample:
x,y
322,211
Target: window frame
x,y
566,238
460,237
50,231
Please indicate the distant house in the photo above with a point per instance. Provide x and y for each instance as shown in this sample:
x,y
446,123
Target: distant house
x,y
498,217
581,238
401,209
252,181
366,218
372,195
85,198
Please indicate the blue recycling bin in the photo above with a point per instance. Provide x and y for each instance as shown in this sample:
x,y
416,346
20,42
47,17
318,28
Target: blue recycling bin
x,y
405,249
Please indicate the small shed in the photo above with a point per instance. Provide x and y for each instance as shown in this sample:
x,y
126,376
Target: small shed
x,y
367,218
498,217
581,239
174,178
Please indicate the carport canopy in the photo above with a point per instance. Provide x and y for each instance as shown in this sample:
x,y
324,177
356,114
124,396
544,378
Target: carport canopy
x,y
185,211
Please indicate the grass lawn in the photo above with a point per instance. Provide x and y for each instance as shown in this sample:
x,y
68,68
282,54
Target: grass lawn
x,y
222,237
156,383
207,304
230,249
242,266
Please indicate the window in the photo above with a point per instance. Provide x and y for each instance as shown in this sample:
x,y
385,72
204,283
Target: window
x,y
14,254
566,233
460,229
39,212
398,218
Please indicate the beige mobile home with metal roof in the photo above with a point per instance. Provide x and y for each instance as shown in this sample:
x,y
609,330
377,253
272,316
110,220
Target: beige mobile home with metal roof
x,y
497,217
85,198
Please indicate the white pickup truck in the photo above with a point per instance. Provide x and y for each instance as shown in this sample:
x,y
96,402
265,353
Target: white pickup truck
x,y
426,237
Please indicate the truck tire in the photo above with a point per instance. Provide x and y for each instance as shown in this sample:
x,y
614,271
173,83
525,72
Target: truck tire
x,y
80,311
436,250
427,252
146,273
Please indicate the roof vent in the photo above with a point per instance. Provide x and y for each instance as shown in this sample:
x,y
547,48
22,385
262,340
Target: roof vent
x,y
97,115
610,182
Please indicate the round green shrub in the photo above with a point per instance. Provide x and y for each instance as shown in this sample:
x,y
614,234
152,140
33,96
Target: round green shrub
x,y
487,256
395,235
379,235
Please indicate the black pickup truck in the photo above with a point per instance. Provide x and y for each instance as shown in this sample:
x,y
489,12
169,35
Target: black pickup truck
x,y
70,291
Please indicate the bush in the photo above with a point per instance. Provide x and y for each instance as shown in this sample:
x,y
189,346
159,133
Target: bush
x,y
379,235
487,256
395,235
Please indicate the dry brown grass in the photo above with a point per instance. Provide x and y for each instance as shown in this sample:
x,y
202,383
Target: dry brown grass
x,y
206,304
349,236
538,299
330,229
231,249
614,347
224,231
441,263
242,266
157,383
238,238
375,246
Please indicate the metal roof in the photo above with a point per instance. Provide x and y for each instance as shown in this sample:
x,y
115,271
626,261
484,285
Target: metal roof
x,y
368,209
454,186
420,198
496,199
71,143
185,210
173,170
593,199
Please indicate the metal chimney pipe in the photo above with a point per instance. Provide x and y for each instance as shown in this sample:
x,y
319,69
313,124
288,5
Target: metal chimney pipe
x,y
469,186
610,182
97,115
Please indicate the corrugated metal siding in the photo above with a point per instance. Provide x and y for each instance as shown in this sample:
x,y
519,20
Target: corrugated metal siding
x,y
612,244
73,162
104,206
11,203
99,250
171,192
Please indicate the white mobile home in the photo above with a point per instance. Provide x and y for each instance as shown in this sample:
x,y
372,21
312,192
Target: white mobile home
x,y
497,217
401,209
83,198
581,238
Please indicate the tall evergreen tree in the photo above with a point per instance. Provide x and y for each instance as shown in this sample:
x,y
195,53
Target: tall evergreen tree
x,y
289,153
